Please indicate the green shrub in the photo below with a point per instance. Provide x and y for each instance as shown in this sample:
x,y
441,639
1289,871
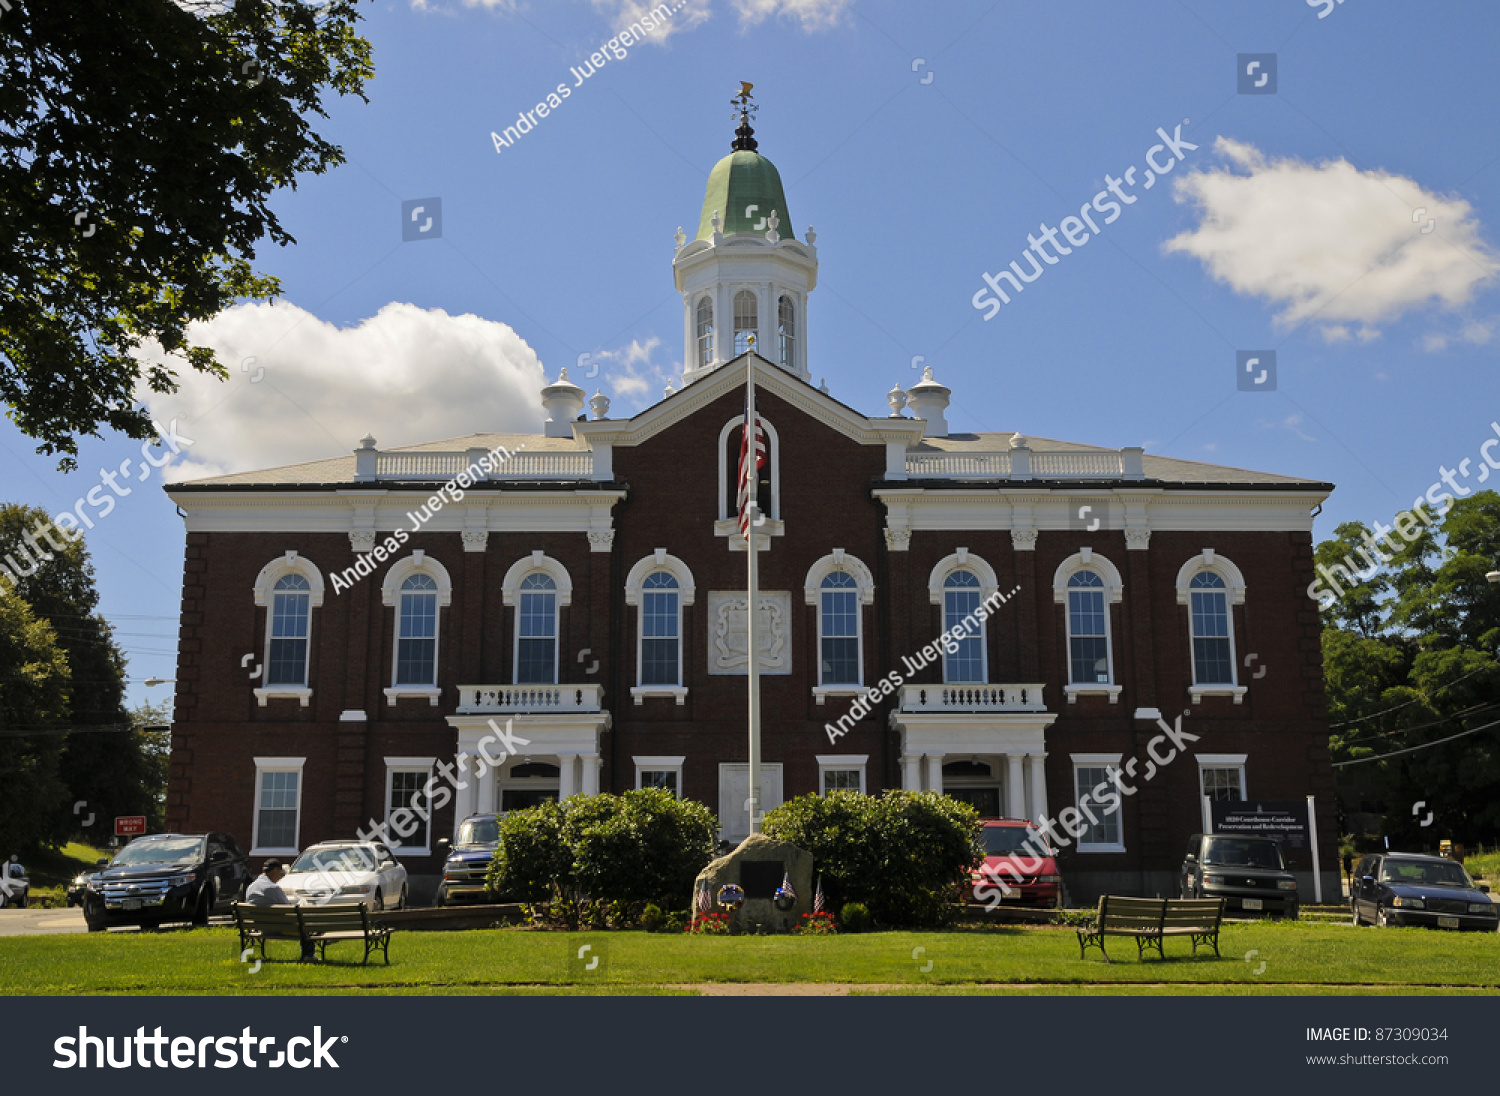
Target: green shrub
x,y
903,855
652,917
854,917
643,846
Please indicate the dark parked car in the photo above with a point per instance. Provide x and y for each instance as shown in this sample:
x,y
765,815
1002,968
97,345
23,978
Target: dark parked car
x,y
1411,889
167,877
1248,872
468,860
15,887
80,885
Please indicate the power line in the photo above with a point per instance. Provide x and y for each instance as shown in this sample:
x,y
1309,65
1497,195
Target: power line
x,y
1413,749
1409,703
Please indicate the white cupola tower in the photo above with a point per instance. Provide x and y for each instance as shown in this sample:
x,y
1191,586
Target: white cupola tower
x,y
745,278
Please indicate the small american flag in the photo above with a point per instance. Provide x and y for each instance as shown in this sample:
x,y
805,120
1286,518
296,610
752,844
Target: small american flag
x,y
786,884
818,895
750,467
705,898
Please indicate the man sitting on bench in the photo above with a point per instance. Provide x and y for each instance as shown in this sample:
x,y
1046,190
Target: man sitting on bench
x,y
265,891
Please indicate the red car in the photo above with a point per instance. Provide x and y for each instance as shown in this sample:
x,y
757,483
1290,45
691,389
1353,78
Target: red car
x,y
1019,868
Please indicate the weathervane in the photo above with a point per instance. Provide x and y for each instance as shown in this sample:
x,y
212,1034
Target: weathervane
x,y
744,110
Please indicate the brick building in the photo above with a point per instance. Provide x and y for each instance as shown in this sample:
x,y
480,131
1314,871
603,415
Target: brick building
x,y
589,588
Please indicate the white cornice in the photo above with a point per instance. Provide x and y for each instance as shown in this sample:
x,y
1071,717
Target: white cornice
x,y
342,511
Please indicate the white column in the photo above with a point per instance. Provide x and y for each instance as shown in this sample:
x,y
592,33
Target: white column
x,y
1015,795
463,792
590,774
1038,787
913,772
485,779
935,773
565,784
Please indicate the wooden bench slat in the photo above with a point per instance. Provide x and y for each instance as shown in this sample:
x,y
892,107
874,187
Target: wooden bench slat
x,y
1150,920
319,925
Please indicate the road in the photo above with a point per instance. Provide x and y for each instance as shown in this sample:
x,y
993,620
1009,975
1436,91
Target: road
x,y
35,922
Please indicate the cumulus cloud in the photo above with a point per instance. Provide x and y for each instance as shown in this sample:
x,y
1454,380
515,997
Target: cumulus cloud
x,y
624,13
1353,248
633,378
1474,333
812,14
301,389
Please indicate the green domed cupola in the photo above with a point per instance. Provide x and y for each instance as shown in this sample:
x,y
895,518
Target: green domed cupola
x,y
744,189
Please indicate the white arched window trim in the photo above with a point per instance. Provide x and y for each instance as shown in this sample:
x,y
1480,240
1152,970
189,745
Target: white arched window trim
x,y
812,589
962,560
728,524
661,560
1234,582
537,561
1086,559
418,563
289,563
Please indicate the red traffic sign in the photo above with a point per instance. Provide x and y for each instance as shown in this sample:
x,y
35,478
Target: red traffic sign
x,y
130,825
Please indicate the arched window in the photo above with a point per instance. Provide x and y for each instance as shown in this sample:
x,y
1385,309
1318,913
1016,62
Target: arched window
x,y
536,631
786,333
1088,630
291,627
746,320
838,630
416,631
661,630
964,666
705,325
1213,644
767,491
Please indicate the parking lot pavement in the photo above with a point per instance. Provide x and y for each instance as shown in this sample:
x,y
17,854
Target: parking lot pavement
x,y
34,922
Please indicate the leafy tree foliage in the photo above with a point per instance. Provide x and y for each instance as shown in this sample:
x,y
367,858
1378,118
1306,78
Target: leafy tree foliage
x,y
903,854
140,144
33,709
1410,660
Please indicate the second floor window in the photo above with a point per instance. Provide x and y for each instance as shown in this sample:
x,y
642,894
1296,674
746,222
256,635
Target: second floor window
x,y
1088,635
536,638
839,625
416,635
286,662
960,599
1213,651
661,642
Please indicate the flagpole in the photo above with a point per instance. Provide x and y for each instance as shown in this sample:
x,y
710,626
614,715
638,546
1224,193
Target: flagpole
x,y
753,616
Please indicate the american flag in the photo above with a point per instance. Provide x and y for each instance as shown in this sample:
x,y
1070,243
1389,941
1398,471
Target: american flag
x,y
786,883
750,469
818,895
705,898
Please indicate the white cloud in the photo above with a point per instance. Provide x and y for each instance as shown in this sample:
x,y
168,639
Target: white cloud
x,y
624,13
1292,423
634,380
813,14
1331,241
406,375
1475,333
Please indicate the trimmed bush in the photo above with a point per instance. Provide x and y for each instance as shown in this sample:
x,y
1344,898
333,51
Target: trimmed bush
x,y
854,917
902,854
643,846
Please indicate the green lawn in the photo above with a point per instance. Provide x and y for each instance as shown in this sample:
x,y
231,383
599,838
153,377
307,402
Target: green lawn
x,y
1299,958
51,870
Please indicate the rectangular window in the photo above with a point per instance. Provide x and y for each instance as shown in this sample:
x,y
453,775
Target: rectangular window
x,y
536,651
659,772
660,778
1212,664
1103,834
842,780
659,639
405,779
288,654
416,651
278,804
1223,783
966,665
840,662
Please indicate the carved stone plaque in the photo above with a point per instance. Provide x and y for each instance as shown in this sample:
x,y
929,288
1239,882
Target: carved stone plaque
x,y
728,632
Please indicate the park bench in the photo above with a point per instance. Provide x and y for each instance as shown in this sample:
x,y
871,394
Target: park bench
x,y
321,925
1151,920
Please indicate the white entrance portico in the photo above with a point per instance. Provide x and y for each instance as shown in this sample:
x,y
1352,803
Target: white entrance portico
x,y
992,737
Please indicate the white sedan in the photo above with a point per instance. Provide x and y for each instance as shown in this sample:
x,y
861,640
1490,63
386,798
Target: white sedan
x,y
346,872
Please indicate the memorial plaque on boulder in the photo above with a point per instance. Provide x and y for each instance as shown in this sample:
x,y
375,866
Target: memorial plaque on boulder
x,y
759,866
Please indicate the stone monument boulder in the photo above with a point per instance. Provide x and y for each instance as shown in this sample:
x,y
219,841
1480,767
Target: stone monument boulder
x,y
758,865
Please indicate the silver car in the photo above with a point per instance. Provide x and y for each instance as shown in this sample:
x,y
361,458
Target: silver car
x,y
347,872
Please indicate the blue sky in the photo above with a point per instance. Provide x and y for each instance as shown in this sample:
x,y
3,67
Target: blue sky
x,y
1294,226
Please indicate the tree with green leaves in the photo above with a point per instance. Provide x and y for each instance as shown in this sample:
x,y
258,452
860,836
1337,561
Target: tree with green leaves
x,y
33,714
141,142
1413,681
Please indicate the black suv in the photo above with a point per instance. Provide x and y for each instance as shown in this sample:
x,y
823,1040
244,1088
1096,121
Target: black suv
x,y
1248,872
167,877
469,860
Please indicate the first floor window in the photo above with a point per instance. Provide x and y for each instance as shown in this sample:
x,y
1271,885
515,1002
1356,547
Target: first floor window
x,y
278,801
842,780
1102,834
660,778
404,793
659,772
1223,783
